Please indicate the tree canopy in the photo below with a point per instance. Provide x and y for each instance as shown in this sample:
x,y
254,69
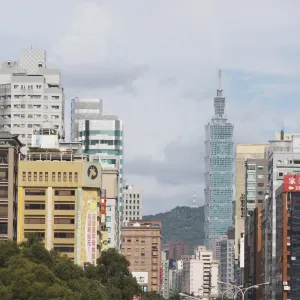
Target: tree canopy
x,y
30,272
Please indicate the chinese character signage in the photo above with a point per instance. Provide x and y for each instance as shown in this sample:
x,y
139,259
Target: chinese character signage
x,y
291,183
91,232
103,202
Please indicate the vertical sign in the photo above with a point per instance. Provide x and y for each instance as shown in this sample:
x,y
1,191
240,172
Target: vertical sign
x,y
91,232
161,275
291,183
103,202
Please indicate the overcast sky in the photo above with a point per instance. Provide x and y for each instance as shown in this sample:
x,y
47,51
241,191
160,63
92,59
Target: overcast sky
x,y
154,63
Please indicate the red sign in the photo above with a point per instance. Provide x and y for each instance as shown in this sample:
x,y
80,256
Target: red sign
x,y
103,202
291,183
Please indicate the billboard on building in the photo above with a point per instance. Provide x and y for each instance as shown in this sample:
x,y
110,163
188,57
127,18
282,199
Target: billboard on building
x,y
291,183
92,175
141,277
104,246
172,264
86,245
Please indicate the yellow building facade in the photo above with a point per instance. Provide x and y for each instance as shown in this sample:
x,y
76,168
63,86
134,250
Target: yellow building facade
x,y
61,201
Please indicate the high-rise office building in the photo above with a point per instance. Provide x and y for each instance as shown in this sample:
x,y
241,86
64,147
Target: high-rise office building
x,y
102,139
283,159
10,147
242,153
133,201
30,94
218,172
176,249
141,245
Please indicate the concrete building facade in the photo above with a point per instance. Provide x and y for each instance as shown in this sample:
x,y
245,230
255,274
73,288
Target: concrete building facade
x,y
141,245
200,274
133,202
177,249
30,94
10,148
242,153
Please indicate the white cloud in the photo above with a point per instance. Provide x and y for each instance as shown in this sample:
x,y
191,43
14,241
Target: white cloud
x,y
154,63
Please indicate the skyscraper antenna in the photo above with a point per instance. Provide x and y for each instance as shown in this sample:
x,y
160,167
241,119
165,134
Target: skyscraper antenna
x,y
194,205
220,80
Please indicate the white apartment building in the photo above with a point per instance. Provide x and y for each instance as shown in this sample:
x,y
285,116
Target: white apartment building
x,y
164,287
112,222
133,201
200,274
30,94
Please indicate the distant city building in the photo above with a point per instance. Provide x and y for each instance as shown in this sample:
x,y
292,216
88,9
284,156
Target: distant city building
x,y
133,201
256,172
177,249
141,245
200,273
288,238
176,278
102,139
253,252
283,159
10,147
30,94
219,158
242,153
164,288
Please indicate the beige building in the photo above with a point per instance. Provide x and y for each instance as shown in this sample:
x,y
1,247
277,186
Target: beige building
x,y
9,155
62,197
243,152
141,245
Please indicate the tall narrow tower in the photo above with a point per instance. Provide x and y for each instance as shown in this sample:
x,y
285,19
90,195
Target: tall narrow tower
x,y
219,157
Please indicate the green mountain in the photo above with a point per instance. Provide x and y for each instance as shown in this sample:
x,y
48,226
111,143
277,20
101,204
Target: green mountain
x,y
182,224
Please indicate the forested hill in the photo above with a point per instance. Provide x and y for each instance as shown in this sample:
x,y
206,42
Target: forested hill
x,y
182,223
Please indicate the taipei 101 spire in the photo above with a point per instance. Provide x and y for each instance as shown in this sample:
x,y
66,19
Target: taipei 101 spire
x,y
219,101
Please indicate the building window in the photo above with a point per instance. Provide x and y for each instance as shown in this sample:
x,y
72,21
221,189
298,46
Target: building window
x,y
53,176
64,235
64,206
40,234
35,205
59,176
46,176
108,219
250,167
24,176
41,176
35,192
60,248
260,167
108,229
64,193
70,176
108,208
260,184
29,176
64,220
34,220
65,176
260,176
76,177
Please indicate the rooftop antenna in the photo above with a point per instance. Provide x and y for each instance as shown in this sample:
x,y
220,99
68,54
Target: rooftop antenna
x,y
194,205
219,91
282,131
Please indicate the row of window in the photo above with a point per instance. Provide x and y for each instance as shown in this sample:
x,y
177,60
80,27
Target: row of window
x,y
42,220
104,142
42,206
253,167
102,132
56,235
56,176
42,192
137,196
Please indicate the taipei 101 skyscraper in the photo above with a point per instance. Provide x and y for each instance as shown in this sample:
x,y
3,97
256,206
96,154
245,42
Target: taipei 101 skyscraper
x,y
219,158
